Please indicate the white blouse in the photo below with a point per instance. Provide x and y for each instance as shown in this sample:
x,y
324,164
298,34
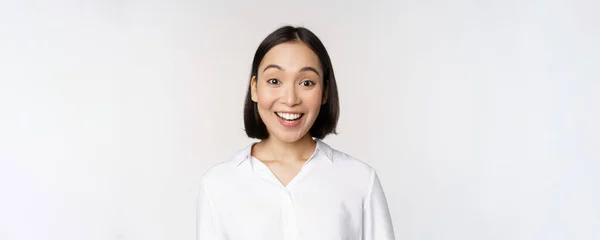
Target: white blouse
x,y
334,196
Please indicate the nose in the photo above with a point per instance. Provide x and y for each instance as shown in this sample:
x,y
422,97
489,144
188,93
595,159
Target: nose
x,y
290,96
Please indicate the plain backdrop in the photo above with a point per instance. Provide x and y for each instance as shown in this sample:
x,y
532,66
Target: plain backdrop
x,y
481,117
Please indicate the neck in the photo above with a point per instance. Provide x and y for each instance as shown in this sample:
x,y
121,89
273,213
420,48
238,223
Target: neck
x,y
282,151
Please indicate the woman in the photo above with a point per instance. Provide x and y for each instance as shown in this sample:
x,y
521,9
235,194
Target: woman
x,y
290,184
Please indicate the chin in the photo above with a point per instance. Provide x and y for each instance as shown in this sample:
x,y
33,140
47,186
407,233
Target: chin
x,y
289,137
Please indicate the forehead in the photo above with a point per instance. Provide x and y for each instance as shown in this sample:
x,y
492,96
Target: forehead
x,y
291,56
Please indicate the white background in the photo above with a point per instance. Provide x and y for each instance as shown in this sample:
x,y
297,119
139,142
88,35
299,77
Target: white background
x,y
481,117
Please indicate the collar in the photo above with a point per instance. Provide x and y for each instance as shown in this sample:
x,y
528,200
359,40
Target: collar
x,y
322,147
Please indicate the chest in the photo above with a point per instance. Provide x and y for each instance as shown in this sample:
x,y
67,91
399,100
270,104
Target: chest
x,y
313,208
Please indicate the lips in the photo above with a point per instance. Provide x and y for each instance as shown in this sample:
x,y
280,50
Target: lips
x,y
289,116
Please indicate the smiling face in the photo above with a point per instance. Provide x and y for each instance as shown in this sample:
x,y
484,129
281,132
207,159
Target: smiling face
x,y
289,90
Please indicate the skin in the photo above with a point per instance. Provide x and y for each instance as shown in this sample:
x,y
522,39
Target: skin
x,y
289,80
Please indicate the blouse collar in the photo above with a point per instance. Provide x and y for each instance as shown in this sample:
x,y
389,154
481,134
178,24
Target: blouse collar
x,y
322,147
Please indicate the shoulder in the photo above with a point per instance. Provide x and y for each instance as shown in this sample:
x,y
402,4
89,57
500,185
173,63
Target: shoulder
x,y
224,169
350,172
347,160
348,164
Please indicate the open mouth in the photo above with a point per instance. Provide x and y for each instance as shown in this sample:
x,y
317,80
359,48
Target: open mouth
x,y
290,117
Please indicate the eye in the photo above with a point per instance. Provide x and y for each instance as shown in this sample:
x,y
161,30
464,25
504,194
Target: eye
x,y
273,81
307,83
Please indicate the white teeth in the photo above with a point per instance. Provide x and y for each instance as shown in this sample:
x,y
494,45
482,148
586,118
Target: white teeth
x,y
289,116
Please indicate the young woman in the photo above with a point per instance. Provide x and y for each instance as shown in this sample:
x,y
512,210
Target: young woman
x,y
291,185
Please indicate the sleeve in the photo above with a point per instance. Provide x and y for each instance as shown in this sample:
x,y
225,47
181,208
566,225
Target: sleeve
x,y
207,223
377,222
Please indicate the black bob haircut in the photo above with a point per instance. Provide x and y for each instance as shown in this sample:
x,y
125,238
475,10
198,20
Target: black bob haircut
x,y
327,119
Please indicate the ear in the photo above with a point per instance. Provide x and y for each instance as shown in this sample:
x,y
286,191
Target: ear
x,y
253,89
325,95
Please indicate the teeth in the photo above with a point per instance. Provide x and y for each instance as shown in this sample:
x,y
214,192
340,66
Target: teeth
x,y
289,116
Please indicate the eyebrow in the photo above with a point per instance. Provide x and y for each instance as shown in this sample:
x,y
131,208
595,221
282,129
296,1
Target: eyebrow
x,y
304,69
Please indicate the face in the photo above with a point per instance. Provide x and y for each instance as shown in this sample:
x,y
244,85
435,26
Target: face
x,y
289,90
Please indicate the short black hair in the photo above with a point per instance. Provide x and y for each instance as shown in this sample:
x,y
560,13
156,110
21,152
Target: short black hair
x,y
327,119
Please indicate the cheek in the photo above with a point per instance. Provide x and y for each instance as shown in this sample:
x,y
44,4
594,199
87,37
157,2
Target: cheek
x,y
313,100
265,99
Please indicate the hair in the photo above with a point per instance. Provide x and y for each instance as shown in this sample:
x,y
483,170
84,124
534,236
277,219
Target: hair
x,y
327,119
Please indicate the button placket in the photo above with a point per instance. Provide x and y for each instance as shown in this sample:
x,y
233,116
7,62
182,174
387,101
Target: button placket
x,y
288,210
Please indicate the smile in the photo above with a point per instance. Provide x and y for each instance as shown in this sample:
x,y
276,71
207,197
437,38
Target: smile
x,y
289,116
